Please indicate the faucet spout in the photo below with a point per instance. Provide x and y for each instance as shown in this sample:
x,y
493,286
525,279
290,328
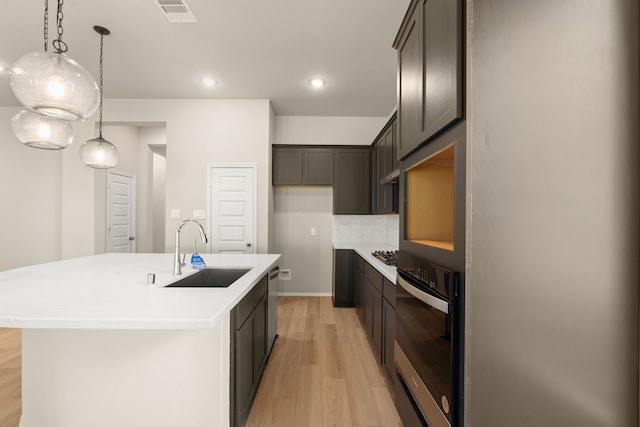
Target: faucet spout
x,y
177,264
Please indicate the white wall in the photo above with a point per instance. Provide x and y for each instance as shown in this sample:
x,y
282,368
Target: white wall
x,y
552,277
297,210
313,130
30,190
198,132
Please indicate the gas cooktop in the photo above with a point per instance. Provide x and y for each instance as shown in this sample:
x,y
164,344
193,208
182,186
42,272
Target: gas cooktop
x,y
388,257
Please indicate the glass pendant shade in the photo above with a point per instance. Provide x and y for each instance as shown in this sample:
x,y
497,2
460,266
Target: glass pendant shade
x,y
98,153
42,132
54,85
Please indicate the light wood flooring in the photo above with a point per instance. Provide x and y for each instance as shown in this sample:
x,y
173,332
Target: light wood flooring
x,y
10,377
322,371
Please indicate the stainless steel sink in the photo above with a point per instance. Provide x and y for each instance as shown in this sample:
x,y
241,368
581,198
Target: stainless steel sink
x,y
210,278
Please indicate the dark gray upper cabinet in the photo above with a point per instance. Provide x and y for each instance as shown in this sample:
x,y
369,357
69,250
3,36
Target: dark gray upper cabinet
x,y
287,166
429,46
302,166
351,181
385,164
317,166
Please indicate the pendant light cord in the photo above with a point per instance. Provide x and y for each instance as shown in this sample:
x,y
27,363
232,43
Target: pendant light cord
x,y
101,84
58,44
46,25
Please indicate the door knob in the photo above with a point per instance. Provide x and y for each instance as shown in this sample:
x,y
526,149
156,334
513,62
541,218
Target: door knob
x,y
248,245
132,238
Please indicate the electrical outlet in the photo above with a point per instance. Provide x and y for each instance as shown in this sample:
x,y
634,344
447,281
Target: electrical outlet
x,y
199,214
314,231
285,274
174,214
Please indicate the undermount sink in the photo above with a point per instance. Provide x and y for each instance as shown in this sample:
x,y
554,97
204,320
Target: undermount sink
x,y
210,278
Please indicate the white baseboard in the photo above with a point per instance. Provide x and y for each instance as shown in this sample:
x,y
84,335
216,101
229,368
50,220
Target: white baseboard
x,y
304,294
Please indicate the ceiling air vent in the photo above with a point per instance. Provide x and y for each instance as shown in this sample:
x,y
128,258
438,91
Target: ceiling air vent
x,y
176,11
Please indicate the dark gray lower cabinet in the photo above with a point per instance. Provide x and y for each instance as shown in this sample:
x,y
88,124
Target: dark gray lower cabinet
x,y
359,286
248,351
376,317
343,278
388,329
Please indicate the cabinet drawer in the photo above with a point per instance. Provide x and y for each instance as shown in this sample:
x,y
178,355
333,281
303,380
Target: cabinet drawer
x,y
389,291
374,276
249,302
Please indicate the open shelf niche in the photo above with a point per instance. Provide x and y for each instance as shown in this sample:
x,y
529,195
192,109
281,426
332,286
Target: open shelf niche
x,y
429,200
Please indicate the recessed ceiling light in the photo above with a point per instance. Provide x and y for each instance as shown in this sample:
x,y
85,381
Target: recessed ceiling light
x,y
208,82
317,83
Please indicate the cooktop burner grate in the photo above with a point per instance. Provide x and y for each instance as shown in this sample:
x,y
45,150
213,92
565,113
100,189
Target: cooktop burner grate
x,y
388,257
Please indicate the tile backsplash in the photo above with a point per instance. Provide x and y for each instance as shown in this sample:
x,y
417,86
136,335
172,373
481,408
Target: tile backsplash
x,y
366,229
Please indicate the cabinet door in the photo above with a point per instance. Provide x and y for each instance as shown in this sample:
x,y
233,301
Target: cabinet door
x,y
368,307
260,337
287,166
388,338
245,373
317,166
376,318
430,70
442,88
351,181
359,287
410,82
343,278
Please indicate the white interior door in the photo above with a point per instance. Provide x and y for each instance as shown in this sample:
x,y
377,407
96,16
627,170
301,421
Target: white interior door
x,y
232,208
121,212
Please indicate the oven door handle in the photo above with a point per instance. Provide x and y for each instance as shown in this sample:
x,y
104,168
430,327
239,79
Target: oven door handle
x,y
426,298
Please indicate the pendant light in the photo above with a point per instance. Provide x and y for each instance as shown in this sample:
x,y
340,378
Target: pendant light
x,y
38,131
53,84
42,132
98,153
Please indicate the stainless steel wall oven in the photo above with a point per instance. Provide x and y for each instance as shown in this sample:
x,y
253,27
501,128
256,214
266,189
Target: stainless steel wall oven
x,y
429,347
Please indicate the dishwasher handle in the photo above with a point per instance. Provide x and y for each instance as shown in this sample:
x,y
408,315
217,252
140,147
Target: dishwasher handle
x,y
273,274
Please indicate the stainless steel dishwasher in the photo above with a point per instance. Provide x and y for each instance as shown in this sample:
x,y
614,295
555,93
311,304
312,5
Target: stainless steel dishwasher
x,y
272,306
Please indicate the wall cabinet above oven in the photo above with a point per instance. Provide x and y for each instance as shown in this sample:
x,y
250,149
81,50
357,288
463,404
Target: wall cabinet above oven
x,y
430,71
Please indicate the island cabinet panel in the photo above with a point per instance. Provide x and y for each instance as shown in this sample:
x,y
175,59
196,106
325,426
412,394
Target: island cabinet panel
x,y
351,181
430,71
343,275
287,166
248,351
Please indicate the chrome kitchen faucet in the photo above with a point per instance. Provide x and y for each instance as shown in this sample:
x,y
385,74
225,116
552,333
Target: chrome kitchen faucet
x,y
177,262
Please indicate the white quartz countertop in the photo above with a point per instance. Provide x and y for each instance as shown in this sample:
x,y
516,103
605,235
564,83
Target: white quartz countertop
x,y
109,291
365,250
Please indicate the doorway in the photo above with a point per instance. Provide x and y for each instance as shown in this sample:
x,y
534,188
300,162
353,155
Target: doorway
x,y
121,212
232,208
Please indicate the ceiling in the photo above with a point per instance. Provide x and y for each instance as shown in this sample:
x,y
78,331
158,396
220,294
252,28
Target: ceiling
x,y
259,49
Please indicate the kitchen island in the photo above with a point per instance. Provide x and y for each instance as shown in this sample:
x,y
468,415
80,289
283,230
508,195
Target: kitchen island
x,y
101,347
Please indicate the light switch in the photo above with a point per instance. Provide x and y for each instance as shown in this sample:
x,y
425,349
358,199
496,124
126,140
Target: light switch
x,y
174,214
314,231
199,214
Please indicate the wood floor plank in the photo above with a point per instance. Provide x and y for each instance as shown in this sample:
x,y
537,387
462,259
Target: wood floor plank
x,y
10,377
386,408
335,403
309,408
